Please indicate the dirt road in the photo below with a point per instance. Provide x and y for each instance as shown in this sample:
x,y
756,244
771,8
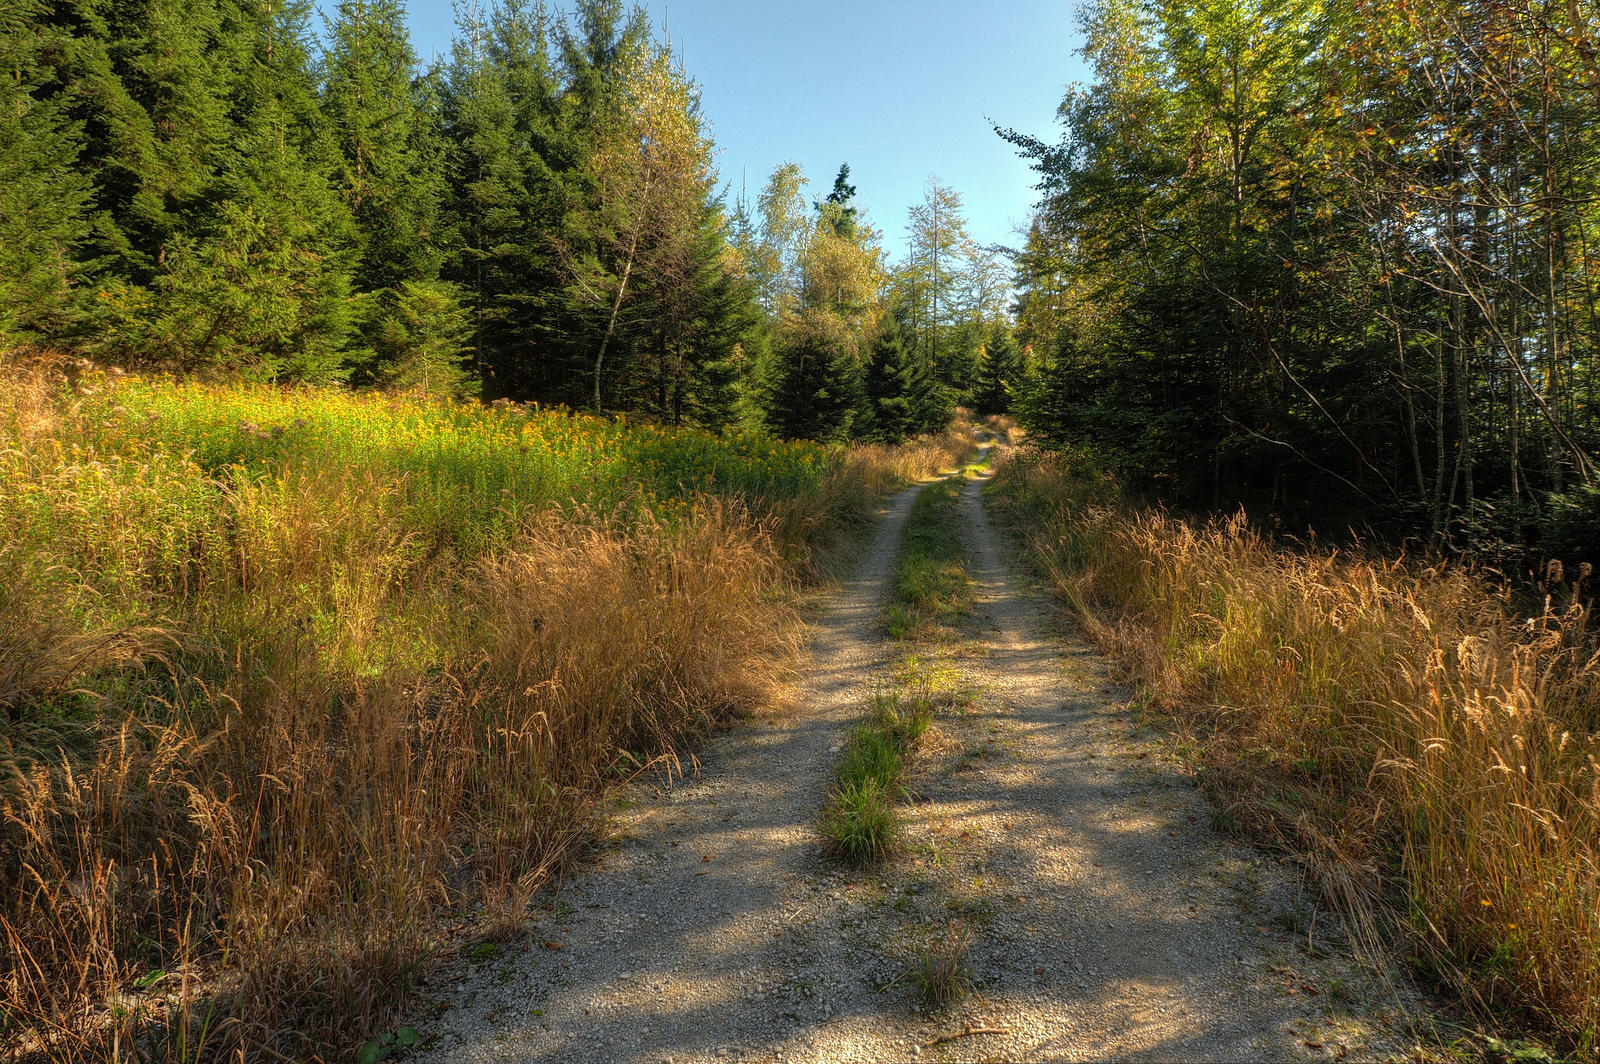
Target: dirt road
x,y
1106,919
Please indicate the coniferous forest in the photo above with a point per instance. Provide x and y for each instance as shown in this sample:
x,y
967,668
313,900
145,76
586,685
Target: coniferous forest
x,y
248,189
1334,260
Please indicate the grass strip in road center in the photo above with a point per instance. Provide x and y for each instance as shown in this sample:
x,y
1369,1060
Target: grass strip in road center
x,y
931,583
860,823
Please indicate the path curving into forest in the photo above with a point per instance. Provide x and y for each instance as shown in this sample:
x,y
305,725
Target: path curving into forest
x,y
1106,919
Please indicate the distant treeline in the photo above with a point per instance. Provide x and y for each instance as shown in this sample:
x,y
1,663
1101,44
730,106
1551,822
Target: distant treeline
x,y
214,187
1338,258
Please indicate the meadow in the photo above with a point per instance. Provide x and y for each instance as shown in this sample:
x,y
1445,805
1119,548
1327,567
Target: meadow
x,y
1421,736
300,688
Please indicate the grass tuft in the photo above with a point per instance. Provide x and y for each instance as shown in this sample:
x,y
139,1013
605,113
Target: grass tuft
x,y
941,971
859,823
905,719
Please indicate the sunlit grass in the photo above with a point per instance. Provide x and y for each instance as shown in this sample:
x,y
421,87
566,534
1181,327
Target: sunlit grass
x,y
1428,746
291,680
931,583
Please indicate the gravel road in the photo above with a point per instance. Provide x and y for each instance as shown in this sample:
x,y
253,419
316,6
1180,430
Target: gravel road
x,y
1105,918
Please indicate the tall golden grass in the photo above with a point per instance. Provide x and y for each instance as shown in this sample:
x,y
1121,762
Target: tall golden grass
x,y
808,527
886,466
261,741
1429,748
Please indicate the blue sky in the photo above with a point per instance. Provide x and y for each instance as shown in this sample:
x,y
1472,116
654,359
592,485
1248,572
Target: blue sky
x,y
898,89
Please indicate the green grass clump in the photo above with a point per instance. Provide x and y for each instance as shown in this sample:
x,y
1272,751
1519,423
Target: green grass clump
x,y
904,720
931,584
941,971
874,754
859,821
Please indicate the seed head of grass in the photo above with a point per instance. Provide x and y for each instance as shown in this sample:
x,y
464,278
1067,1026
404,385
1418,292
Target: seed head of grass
x,y
941,970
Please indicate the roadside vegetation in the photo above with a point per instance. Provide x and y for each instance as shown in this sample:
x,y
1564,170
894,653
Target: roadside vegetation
x,y
299,687
1424,741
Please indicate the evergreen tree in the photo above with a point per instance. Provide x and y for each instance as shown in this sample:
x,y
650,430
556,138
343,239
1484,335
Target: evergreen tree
x,y
43,195
828,287
817,390
500,109
157,85
1000,371
701,321
387,173
264,287
421,335
841,209
903,395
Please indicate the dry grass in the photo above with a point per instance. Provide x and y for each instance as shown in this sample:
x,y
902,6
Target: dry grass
x,y
1428,748
261,741
886,466
807,528
941,971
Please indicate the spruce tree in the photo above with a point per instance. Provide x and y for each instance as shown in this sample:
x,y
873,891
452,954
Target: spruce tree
x,y
999,371
701,319
902,395
43,195
500,213
264,288
422,331
157,85
841,211
818,386
387,175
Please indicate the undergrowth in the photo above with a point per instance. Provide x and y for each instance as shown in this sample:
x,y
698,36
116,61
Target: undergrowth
x,y
294,681
1429,749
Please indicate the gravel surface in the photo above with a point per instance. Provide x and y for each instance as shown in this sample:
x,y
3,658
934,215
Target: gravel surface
x,y
1105,919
